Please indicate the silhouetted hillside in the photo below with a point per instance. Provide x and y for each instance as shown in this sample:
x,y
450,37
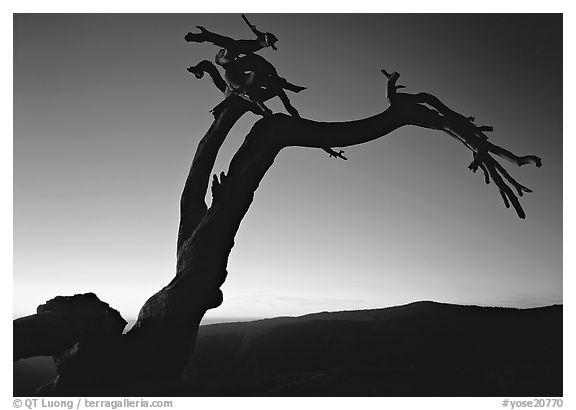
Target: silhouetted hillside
x,y
420,349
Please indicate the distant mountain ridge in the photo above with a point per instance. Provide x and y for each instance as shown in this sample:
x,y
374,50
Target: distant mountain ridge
x,y
419,349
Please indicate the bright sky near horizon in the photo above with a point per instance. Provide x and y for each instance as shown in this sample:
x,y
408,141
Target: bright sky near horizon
x,y
106,121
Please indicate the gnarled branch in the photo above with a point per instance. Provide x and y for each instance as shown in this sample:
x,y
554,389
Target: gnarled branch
x,y
234,47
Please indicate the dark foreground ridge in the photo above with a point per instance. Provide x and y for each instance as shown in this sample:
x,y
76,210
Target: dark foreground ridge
x,y
419,349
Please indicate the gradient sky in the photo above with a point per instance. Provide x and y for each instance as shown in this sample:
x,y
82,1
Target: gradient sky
x,y
106,121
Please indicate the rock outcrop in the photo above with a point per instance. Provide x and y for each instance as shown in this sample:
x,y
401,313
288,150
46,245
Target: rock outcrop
x,y
62,322
70,329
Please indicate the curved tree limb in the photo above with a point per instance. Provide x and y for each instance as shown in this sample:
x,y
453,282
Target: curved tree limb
x,y
421,109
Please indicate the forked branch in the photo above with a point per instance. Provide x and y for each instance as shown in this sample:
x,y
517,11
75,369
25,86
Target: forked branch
x,y
473,136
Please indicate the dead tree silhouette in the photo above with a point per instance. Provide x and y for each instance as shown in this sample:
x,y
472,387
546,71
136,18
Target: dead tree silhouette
x,y
85,335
